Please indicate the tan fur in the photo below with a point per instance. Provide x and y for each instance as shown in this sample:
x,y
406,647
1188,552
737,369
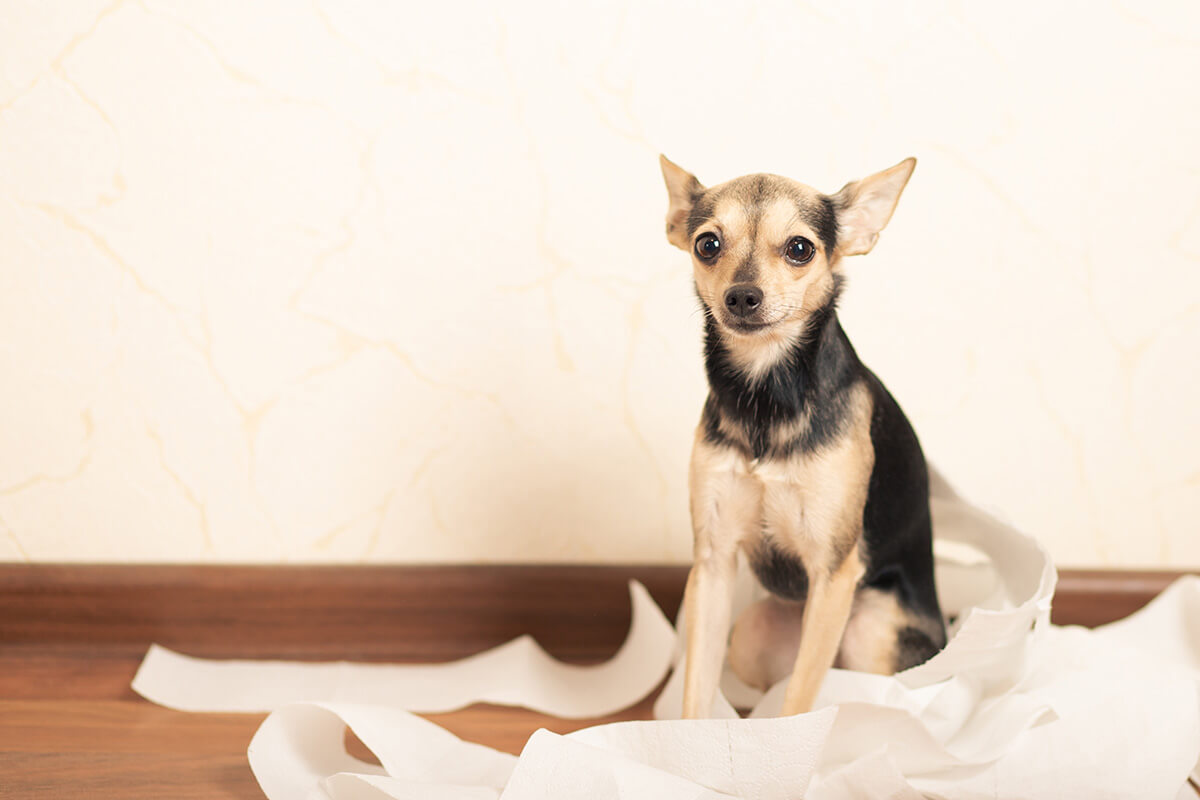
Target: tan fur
x,y
766,637
813,502
825,614
734,432
814,507
869,643
764,642
792,293
784,435
725,505
810,504
682,187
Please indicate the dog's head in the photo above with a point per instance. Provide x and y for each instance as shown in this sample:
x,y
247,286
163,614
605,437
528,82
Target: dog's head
x,y
765,249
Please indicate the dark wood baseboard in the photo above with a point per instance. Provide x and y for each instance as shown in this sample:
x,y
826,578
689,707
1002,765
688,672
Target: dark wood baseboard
x,y
1093,597
390,612
422,613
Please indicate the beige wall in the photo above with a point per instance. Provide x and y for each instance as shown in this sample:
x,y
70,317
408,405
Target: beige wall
x,y
387,281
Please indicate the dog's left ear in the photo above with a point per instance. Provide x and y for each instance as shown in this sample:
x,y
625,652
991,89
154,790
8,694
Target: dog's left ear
x,y
864,207
683,189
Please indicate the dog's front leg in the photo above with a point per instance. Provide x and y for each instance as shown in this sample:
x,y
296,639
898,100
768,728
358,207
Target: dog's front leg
x,y
826,611
707,601
726,507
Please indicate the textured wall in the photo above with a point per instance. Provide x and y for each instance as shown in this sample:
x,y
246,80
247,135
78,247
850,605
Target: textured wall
x,y
387,281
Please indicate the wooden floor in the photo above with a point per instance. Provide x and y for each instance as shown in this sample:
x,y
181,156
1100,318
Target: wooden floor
x,y
71,638
65,732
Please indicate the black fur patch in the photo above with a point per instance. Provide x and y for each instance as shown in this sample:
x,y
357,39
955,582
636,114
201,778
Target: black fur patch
x,y
779,572
823,220
815,376
747,271
711,418
897,525
913,646
702,211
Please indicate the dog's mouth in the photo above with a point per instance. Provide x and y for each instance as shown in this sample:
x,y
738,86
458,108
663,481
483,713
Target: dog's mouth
x,y
747,326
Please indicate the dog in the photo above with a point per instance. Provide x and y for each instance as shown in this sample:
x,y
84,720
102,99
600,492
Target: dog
x,y
802,459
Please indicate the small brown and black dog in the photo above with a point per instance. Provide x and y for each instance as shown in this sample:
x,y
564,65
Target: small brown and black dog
x,y
802,459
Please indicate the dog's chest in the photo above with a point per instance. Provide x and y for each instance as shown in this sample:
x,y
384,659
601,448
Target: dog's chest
x,y
802,501
796,511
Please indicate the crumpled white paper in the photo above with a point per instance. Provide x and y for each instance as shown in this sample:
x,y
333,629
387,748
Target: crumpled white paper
x,y
1012,707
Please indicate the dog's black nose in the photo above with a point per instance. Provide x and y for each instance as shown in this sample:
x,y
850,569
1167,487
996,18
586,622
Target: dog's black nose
x,y
743,300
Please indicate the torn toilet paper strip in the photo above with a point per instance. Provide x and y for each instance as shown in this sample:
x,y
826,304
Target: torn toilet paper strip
x,y
518,673
299,746
1012,707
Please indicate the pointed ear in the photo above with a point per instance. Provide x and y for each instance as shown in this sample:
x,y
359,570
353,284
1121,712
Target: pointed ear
x,y
864,207
683,189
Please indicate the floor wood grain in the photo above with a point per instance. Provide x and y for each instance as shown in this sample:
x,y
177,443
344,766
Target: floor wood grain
x,y
71,637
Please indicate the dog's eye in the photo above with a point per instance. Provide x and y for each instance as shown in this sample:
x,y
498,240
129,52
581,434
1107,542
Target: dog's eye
x,y
799,250
707,246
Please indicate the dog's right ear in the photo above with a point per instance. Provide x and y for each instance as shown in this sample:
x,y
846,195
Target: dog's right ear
x,y
864,207
683,189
